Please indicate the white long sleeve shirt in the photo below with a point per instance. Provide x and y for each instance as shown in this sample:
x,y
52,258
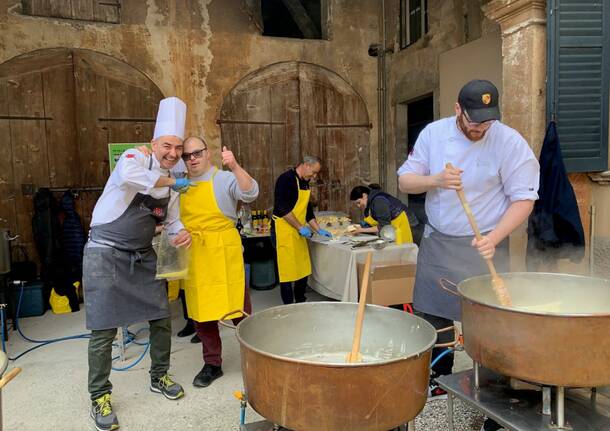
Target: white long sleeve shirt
x,y
498,170
132,175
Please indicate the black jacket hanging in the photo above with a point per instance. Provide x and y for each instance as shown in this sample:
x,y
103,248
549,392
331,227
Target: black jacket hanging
x,y
72,234
47,231
554,227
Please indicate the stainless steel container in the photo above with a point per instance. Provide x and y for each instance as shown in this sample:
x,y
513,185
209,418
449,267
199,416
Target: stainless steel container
x,y
295,373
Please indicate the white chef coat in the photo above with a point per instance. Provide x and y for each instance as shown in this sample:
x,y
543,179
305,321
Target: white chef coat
x,y
132,175
498,170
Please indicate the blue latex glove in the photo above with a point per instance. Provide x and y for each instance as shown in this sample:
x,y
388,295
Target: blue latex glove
x,y
364,224
323,232
305,231
182,185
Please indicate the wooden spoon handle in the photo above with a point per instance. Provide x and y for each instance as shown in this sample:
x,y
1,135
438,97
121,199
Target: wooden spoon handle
x,y
353,356
497,282
9,376
473,223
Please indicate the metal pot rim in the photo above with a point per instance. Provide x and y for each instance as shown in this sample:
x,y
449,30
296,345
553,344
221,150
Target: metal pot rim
x,y
521,311
327,364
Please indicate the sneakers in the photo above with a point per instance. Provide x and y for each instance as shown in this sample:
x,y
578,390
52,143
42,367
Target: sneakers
x,y
101,412
189,329
207,375
167,387
435,392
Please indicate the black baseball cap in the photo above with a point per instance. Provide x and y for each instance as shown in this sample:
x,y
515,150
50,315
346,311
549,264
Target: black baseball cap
x,y
479,98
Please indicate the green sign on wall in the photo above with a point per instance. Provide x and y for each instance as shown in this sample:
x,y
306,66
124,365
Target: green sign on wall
x,y
115,151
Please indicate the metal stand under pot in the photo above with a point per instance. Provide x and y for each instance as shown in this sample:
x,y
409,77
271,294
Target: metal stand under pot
x,y
522,406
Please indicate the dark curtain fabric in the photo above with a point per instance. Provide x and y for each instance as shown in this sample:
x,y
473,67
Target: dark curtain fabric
x,y
555,229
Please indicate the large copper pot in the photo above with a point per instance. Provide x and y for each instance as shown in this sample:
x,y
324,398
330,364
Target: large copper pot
x,y
288,380
557,331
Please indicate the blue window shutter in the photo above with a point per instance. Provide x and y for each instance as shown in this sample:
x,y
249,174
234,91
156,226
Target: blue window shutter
x,y
578,75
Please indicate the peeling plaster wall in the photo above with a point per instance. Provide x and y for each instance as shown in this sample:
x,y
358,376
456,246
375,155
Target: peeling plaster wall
x,y
414,71
199,50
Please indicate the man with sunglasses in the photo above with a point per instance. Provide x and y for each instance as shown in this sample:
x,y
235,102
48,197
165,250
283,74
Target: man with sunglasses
x,y
216,285
499,173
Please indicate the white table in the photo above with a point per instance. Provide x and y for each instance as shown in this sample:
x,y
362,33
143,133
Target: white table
x,y
334,266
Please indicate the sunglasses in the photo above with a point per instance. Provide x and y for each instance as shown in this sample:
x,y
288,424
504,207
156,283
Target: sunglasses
x,y
473,124
194,155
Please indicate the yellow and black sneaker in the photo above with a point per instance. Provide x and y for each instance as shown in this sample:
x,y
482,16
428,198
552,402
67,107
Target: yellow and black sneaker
x,y
166,386
101,412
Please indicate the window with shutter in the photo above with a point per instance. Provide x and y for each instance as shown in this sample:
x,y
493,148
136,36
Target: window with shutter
x,y
578,79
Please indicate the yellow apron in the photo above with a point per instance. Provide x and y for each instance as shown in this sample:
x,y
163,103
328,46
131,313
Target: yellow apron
x,y
292,253
400,223
216,282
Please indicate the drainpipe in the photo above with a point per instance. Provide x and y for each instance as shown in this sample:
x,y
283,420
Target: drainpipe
x,y
379,50
382,84
591,241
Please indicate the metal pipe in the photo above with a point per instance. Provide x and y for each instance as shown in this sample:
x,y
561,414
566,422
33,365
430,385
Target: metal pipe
x,y
546,400
382,102
477,382
560,407
591,240
450,411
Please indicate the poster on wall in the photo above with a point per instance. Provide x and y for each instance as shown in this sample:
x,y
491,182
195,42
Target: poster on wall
x,y
115,151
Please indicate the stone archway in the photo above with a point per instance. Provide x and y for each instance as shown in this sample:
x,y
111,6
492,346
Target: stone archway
x,y
59,108
278,113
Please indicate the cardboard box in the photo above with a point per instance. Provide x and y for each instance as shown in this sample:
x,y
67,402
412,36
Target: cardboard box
x,y
390,283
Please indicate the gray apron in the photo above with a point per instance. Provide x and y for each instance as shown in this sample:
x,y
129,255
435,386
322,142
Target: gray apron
x,y
119,268
453,258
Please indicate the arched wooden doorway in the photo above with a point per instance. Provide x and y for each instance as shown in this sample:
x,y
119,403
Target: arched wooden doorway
x,y
276,114
59,108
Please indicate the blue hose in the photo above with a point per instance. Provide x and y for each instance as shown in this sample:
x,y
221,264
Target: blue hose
x,y
438,358
53,340
131,338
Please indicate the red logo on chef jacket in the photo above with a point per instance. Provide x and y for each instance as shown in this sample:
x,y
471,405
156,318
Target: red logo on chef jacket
x,y
157,212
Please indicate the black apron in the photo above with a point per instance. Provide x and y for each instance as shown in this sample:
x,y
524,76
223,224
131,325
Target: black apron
x,y
453,258
119,268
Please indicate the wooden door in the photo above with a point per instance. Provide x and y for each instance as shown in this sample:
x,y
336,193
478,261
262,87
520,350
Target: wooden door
x,y
277,114
59,108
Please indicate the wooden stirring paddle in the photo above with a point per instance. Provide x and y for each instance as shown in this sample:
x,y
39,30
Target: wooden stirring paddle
x,y
496,281
354,355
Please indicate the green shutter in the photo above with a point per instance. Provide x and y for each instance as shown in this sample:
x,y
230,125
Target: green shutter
x,y
578,75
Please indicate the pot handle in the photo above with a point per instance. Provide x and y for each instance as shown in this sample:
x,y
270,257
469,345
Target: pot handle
x,y
227,325
448,286
451,344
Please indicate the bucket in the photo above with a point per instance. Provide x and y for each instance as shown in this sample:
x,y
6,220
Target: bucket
x,y
262,274
32,300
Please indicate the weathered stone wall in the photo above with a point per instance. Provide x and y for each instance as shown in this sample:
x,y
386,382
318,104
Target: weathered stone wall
x,y
414,71
199,49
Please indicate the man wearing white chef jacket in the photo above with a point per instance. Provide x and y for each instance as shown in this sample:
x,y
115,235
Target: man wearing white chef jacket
x,y
499,174
119,262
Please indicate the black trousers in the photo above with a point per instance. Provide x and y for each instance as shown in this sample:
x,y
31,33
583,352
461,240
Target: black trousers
x,y
290,295
445,365
185,313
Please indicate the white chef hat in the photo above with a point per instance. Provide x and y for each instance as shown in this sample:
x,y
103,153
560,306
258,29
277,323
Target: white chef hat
x,y
170,118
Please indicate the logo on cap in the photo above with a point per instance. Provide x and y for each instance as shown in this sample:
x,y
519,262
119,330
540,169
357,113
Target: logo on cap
x,y
486,98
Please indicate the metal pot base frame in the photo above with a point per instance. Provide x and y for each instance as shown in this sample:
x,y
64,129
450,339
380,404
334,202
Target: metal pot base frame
x,y
516,408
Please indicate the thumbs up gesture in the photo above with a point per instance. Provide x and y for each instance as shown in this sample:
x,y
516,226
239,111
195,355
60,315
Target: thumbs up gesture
x,y
228,159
